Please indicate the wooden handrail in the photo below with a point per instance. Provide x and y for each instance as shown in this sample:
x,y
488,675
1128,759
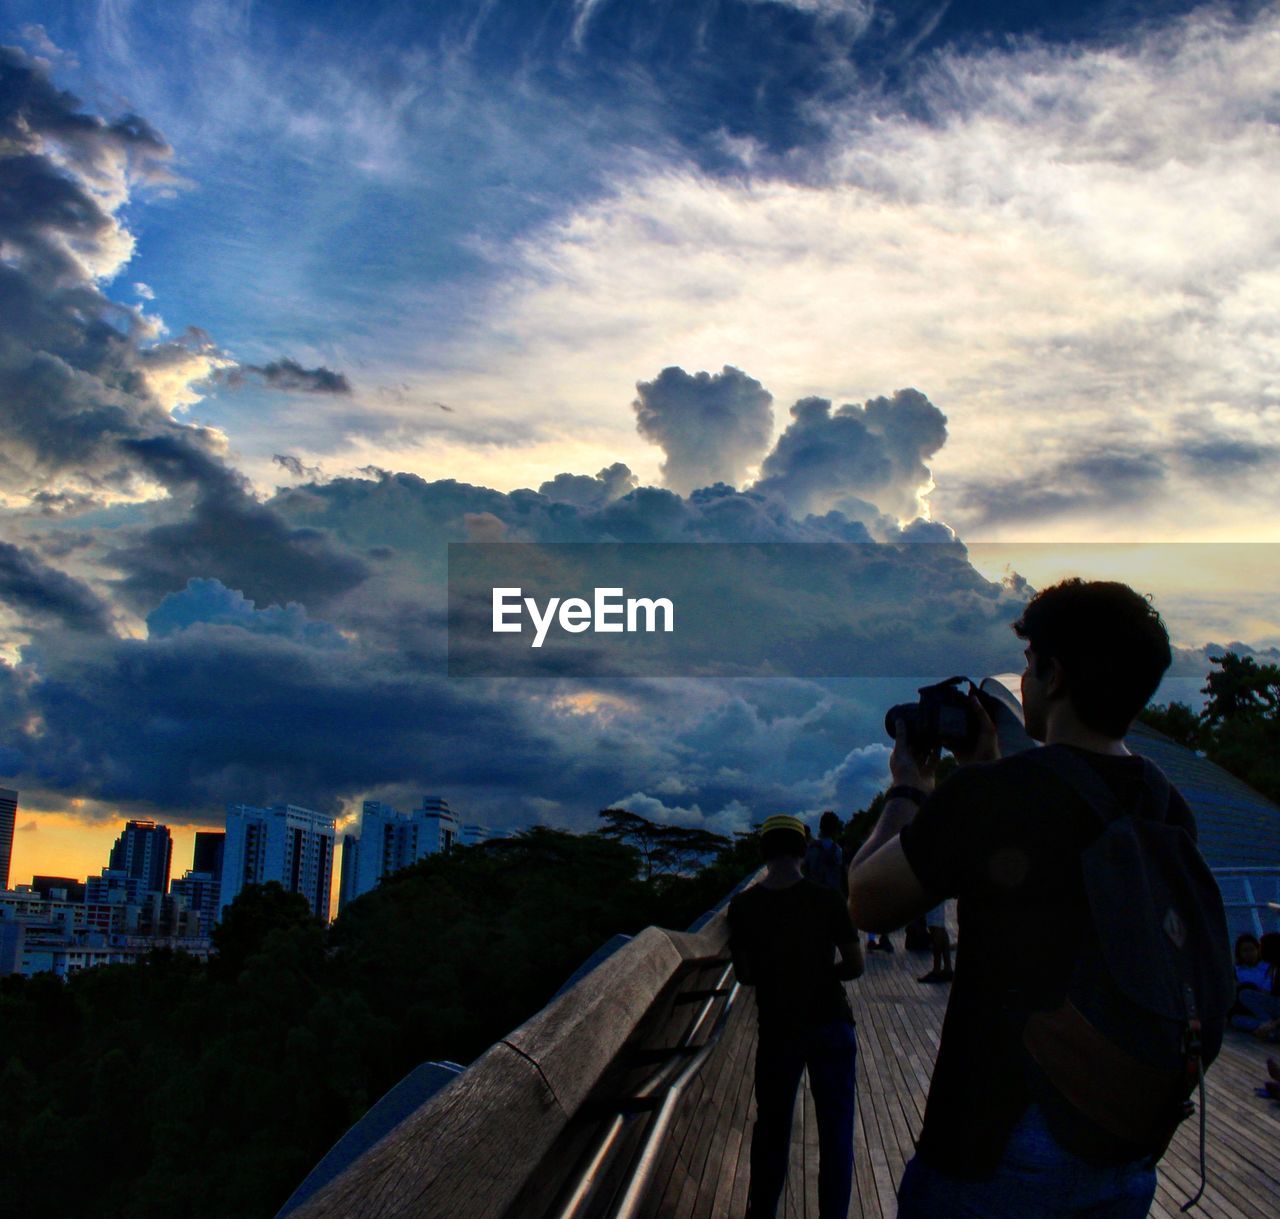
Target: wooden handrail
x,y
468,1151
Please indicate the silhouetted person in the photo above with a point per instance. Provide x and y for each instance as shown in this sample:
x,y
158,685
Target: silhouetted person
x,y
823,859
785,933
1036,1109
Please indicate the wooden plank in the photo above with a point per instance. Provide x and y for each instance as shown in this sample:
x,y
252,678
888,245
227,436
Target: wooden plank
x,y
728,1087
899,1028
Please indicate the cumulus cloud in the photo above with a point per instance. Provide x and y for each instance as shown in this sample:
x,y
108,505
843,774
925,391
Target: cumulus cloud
x,y
1052,242
211,603
857,458
711,427
80,376
611,483
87,386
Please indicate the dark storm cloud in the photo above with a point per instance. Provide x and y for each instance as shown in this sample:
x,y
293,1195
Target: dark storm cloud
x,y
856,458
41,593
209,714
73,364
229,701
289,376
296,646
30,105
1215,457
77,412
711,427
418,517
1092,481
227,535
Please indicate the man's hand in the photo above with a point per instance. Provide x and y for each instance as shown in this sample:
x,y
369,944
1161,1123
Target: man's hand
x,y
909,767
987,747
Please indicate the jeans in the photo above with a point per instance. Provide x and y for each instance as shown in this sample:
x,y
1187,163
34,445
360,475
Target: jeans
x,y
1038,1178
830,1052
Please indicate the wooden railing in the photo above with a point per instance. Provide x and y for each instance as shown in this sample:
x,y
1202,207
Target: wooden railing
x,y
469,1151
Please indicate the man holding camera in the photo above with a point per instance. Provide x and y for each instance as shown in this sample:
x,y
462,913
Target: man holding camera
x,y
1010,838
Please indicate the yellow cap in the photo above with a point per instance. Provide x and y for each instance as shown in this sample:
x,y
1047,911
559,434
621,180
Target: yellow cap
x,y
783,821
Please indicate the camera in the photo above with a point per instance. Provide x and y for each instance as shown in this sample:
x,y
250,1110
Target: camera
x,y
942,716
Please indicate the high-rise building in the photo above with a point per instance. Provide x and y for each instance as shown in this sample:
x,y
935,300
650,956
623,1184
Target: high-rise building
x,y
200,887
390,840
137,867
440,825
8,817
207,856
350,861
144,850
285,843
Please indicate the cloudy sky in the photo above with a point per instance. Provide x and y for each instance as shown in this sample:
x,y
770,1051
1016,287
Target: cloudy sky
x,y
295,295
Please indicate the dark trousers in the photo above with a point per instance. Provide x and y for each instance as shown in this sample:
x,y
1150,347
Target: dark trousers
x,y
830,1052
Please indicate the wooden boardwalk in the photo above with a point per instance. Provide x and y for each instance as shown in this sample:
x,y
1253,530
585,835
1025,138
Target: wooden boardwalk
x,y
703,1168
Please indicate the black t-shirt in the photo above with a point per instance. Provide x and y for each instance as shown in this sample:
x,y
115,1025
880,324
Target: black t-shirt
x,y
1005,838
784,943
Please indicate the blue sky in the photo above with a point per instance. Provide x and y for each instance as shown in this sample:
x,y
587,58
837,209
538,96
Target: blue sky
x,y
1014,266
521,210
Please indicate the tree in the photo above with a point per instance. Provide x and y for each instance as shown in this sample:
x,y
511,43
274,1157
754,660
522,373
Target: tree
x,y
251,918
1178,722
1241,691
1239,728
663,848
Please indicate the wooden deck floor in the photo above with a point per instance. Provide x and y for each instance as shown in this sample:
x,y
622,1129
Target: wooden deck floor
x,y
703,1168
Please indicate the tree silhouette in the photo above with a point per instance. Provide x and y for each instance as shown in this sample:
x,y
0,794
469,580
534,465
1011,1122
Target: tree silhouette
x,y
1239,728
663,848
1241,690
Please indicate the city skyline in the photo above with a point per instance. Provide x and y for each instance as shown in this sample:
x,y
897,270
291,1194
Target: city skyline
x,y
185,847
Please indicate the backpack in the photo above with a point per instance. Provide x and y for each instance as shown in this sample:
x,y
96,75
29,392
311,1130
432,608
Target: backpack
x,y
823,864
1129,1044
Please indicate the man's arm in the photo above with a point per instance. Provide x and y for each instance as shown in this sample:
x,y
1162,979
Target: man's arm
x,y
852,962
884,891
742,969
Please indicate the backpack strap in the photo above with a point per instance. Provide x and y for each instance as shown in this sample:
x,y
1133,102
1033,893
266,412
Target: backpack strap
x,y
1085,781
1096,792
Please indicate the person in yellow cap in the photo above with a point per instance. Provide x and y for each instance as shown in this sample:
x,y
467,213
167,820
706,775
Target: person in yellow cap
x,y
785,933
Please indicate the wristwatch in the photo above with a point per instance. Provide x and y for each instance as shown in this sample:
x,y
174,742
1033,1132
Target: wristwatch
x,y
905,792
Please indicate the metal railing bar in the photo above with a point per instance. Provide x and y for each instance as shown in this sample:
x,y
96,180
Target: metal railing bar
x,y
648,1159
649,1090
